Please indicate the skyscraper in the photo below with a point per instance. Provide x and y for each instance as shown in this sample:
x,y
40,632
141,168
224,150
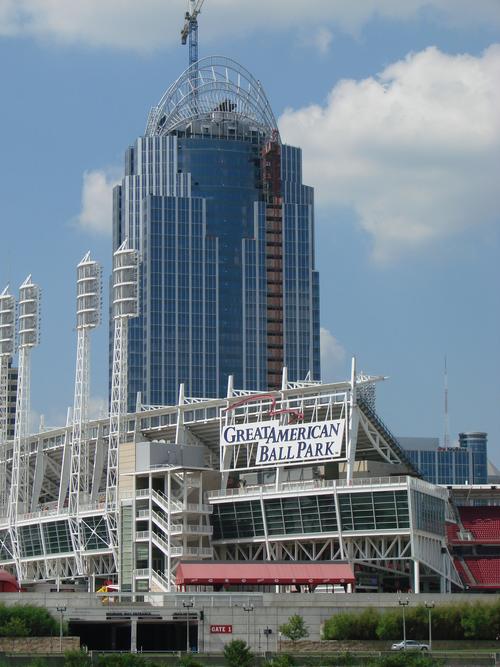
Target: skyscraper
x,y
216,207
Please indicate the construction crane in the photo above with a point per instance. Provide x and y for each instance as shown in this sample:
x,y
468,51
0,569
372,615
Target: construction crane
x,y
190,29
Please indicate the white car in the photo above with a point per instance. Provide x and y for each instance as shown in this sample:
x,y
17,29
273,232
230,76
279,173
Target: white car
x,y
409,645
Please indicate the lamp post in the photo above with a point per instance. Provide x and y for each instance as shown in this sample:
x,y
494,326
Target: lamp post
x,y
187,605
430,606
267,632
61,611
248,608
404,604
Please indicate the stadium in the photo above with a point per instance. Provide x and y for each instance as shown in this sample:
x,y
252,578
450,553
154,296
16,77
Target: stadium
x,y
189,489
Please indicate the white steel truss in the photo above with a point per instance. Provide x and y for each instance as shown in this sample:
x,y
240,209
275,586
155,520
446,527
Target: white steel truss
x,y
88,317
4,400
117,409
28,332
391,554
7,334
125,306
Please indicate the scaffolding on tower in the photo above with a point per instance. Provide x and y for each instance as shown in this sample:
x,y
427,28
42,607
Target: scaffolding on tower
x,y
88,317
28,338
125,306
7,336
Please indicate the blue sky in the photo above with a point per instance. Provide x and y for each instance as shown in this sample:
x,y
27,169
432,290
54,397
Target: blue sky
x,y
396,108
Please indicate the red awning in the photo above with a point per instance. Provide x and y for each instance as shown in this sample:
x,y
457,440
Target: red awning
x,y
256,573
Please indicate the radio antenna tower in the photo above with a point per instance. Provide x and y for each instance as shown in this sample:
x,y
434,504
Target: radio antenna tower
x,y
88,317
125,306
446,439
7,336
28,338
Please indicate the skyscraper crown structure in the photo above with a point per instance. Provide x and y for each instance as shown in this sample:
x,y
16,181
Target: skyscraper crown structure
x,y
215,205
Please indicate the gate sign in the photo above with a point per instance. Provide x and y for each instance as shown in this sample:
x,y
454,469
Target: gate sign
x,y
288,443
221,629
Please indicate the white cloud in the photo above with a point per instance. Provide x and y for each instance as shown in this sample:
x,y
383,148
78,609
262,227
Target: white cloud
x,y
39,422
97,200
415,152
323,40
333,356
98,407
152,24
319,39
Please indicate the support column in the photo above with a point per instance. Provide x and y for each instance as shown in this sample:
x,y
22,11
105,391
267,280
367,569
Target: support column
x,y
133,635
352,435
416,576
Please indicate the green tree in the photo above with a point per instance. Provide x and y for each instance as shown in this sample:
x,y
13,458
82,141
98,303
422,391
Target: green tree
x,y
27,620
188,660
14,627
238,654
405,659
77,659
478,621
121,660
281,660
295,629
446,621
339,626
38,662
390,625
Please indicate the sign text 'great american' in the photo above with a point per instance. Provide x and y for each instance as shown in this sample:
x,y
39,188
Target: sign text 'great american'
x,y
288,443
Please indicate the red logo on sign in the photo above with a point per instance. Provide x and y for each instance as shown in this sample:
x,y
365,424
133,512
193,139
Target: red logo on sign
x,y
221,629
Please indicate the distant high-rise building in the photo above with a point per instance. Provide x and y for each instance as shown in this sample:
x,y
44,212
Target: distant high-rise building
x,y
466,464
476,442
224,226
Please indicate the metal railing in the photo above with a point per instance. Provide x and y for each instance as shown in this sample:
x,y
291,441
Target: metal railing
x,y
314,484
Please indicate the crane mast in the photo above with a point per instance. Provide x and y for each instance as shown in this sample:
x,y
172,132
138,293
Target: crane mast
x,y
190,31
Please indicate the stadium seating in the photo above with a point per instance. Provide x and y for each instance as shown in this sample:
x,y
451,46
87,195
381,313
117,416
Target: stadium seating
x,y
464,576
451,532
482,522
486,571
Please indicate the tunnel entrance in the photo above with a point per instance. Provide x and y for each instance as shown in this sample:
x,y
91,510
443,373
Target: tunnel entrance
x,y
151,636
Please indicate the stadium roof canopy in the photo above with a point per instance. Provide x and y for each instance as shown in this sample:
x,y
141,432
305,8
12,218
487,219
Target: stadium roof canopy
x,y
263,573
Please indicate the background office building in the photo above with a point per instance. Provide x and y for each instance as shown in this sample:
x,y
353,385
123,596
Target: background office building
x,y
216,207
465,464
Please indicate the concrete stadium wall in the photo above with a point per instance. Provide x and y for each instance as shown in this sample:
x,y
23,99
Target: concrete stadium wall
x,y
269,610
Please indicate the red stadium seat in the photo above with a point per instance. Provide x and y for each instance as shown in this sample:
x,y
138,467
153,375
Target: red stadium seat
x,y
482,522
486,571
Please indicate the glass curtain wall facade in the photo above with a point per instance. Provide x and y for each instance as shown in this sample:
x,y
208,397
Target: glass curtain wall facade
x,y
466,464
383,510
227,277
477,444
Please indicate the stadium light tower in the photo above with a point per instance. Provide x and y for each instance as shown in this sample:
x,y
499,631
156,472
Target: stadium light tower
x,y
28,337
88,317
125,306
7,335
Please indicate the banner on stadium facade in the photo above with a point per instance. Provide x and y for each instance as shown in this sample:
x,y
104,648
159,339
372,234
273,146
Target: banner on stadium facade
x,y
288,443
